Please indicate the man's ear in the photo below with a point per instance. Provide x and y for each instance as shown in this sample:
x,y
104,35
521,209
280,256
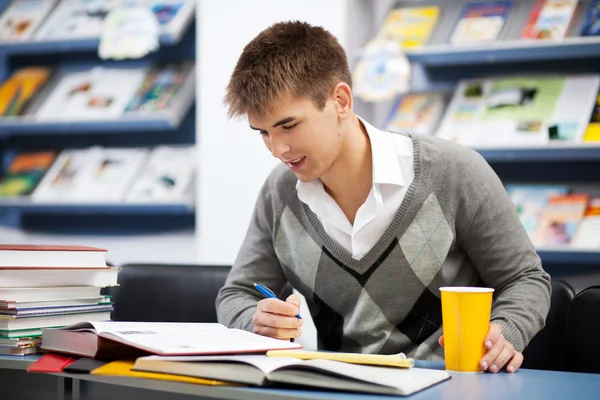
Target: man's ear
x,y
343,99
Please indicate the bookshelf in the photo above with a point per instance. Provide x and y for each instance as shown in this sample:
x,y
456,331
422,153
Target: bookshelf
x,y
439,65
133,129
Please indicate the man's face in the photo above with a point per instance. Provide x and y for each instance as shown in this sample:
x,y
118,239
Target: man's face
x,y
306,139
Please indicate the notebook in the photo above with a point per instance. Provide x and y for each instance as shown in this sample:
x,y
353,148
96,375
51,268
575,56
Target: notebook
x,y
261,370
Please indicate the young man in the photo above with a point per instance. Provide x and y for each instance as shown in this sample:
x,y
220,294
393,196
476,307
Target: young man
x,y
368,225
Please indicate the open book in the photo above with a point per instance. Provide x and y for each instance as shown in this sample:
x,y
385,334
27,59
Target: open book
x,y
117,340
261,370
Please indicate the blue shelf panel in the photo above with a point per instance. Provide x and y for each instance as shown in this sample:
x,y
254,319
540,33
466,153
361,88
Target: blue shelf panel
x,y
25,207
574,153
65,46
570,257
151,122
506,52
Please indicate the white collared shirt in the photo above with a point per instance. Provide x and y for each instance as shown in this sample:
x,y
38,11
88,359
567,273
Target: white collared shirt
x,y
393,172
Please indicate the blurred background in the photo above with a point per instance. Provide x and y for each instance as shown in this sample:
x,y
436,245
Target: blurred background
x,y
113,131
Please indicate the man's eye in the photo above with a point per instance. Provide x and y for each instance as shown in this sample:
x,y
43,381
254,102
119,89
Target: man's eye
x,y
290,127
263,133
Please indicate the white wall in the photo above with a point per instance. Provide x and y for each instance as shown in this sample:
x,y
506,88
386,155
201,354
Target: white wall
x,y
233,161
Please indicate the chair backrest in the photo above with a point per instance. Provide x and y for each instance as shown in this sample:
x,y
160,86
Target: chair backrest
x,y
583,352
547,349
167,293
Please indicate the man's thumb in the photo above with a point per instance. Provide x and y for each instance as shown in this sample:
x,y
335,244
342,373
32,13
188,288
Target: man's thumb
x,y
293,299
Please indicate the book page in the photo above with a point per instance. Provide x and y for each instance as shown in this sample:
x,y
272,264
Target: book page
x,y
117,326
405,380
195,341
264,363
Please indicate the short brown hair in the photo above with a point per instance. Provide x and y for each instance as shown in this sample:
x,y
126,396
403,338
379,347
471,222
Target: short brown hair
x,y
288,58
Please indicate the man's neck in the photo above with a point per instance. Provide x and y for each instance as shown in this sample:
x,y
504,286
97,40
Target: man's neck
x,y
350,178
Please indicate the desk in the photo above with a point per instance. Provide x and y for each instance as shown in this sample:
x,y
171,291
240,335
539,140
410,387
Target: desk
x,y
16,383
525,384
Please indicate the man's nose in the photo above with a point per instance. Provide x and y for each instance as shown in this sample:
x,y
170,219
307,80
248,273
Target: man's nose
x,y
279,147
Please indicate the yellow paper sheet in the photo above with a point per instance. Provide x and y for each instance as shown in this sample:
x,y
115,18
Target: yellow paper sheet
x,y
365,359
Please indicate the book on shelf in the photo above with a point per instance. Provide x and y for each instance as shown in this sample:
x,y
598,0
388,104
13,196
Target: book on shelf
x,y
417,113
560,219
20,88
167,176
591,25
89,338
587,235
481,21
84,19
51,256
261,370
531,200
410,27
550,19
160,87
93,94
25,170
91,175
592,132
76,19
520,111
21,18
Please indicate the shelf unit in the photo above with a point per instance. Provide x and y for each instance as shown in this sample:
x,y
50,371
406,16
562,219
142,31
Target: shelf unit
x,y
176,126
443,55
439,65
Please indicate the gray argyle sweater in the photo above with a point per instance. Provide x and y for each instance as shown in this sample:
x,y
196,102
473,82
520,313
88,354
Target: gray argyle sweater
x,y
455,227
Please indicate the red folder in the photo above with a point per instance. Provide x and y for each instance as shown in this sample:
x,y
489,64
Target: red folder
x,y
51,362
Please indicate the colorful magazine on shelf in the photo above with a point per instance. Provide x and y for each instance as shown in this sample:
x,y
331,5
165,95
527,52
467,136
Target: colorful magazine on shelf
x,y
94,175
160,87
99,93
587,235
76,19
481,21
550,19
17,92
410,26
25,171
166,177
531,200
21,18
520,111
591,25
560,219
417,113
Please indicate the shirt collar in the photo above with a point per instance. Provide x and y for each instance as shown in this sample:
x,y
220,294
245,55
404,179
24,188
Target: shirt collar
x,y
386,169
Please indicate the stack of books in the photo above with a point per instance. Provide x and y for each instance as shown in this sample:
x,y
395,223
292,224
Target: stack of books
x,y
49,286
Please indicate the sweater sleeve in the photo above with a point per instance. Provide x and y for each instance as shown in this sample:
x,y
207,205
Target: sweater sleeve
x,y
256,262
504,257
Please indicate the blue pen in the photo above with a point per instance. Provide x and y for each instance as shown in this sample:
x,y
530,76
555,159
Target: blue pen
x,y
268,293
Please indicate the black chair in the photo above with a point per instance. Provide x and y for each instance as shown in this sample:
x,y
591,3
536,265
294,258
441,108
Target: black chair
x,y
546,350
167,292
583,352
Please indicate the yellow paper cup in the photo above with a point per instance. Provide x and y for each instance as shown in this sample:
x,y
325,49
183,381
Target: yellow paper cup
x,y
466,321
